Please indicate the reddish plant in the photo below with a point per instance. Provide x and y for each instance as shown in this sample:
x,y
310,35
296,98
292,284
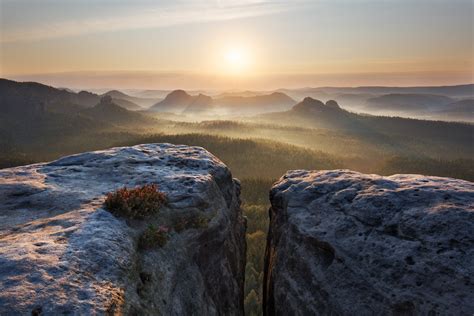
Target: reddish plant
x,y
137,203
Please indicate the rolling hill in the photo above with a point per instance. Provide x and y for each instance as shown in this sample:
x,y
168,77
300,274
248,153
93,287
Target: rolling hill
x,y
179,101
175,102
313,113
408,102
31,113
130,102
460,110
275,101
458,91
416,102
200,104
21,98
109,112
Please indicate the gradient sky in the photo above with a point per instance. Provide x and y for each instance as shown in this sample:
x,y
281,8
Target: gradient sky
x,y
186,44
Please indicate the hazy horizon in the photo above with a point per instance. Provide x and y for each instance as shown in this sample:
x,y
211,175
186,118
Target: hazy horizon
x,y
225,45
156,81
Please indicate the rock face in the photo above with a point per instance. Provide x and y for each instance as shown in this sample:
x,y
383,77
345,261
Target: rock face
x,y
62,253
345,243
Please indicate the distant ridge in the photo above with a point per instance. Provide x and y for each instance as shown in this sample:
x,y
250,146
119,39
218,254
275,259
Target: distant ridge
x,y
408,102
108,111
20,98
129,102
176,102
28,109
416,102
179,101
461,110
275,101
454,90
457,91
199,104
316,114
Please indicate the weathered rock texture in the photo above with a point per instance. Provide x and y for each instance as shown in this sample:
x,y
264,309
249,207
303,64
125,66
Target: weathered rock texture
x,y
345,243
62,253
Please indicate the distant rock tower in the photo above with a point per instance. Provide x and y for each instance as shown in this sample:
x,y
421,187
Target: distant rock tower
x,y
332,104
106,99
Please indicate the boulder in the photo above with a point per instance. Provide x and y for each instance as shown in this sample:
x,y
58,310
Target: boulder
x,y
61,252
346,243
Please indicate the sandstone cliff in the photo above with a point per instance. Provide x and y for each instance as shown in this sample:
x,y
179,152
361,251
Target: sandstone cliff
x,y
62,253
345,243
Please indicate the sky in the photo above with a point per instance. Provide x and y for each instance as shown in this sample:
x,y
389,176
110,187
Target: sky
x,y
247,44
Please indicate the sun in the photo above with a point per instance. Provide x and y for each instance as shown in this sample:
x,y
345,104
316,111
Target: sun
x,y
236,60
234,57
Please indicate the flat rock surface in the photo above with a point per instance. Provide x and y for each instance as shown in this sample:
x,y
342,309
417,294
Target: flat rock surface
x,y
346,243
62,253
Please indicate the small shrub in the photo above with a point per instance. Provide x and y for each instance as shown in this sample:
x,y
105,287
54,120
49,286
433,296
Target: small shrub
x,y
137,203
179,225
153,237
196,221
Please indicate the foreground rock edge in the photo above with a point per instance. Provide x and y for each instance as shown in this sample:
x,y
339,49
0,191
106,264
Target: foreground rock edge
x,y
345,243
60,252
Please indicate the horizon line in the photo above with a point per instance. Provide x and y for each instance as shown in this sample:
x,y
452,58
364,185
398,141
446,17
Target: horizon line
x,y
254,90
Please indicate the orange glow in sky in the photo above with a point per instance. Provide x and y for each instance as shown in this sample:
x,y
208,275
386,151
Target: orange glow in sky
x,y
237,44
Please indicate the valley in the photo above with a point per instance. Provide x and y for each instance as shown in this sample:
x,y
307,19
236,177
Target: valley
x,y
40,123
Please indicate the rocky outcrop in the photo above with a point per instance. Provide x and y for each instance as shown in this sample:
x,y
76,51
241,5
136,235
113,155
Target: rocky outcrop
x,y
345,243
175,102
309,104
332,104
62,253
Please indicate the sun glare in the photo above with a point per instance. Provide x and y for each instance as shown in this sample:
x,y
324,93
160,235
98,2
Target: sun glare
x,y
236,60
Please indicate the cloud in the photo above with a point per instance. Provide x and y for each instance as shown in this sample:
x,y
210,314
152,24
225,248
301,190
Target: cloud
x,y
150,16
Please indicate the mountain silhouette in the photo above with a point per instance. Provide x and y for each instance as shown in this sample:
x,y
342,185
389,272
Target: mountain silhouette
x,y
311,113
30,111
108,111
179,101
175,102
408,102
275,101
462,110
129,102
200,104
25,98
